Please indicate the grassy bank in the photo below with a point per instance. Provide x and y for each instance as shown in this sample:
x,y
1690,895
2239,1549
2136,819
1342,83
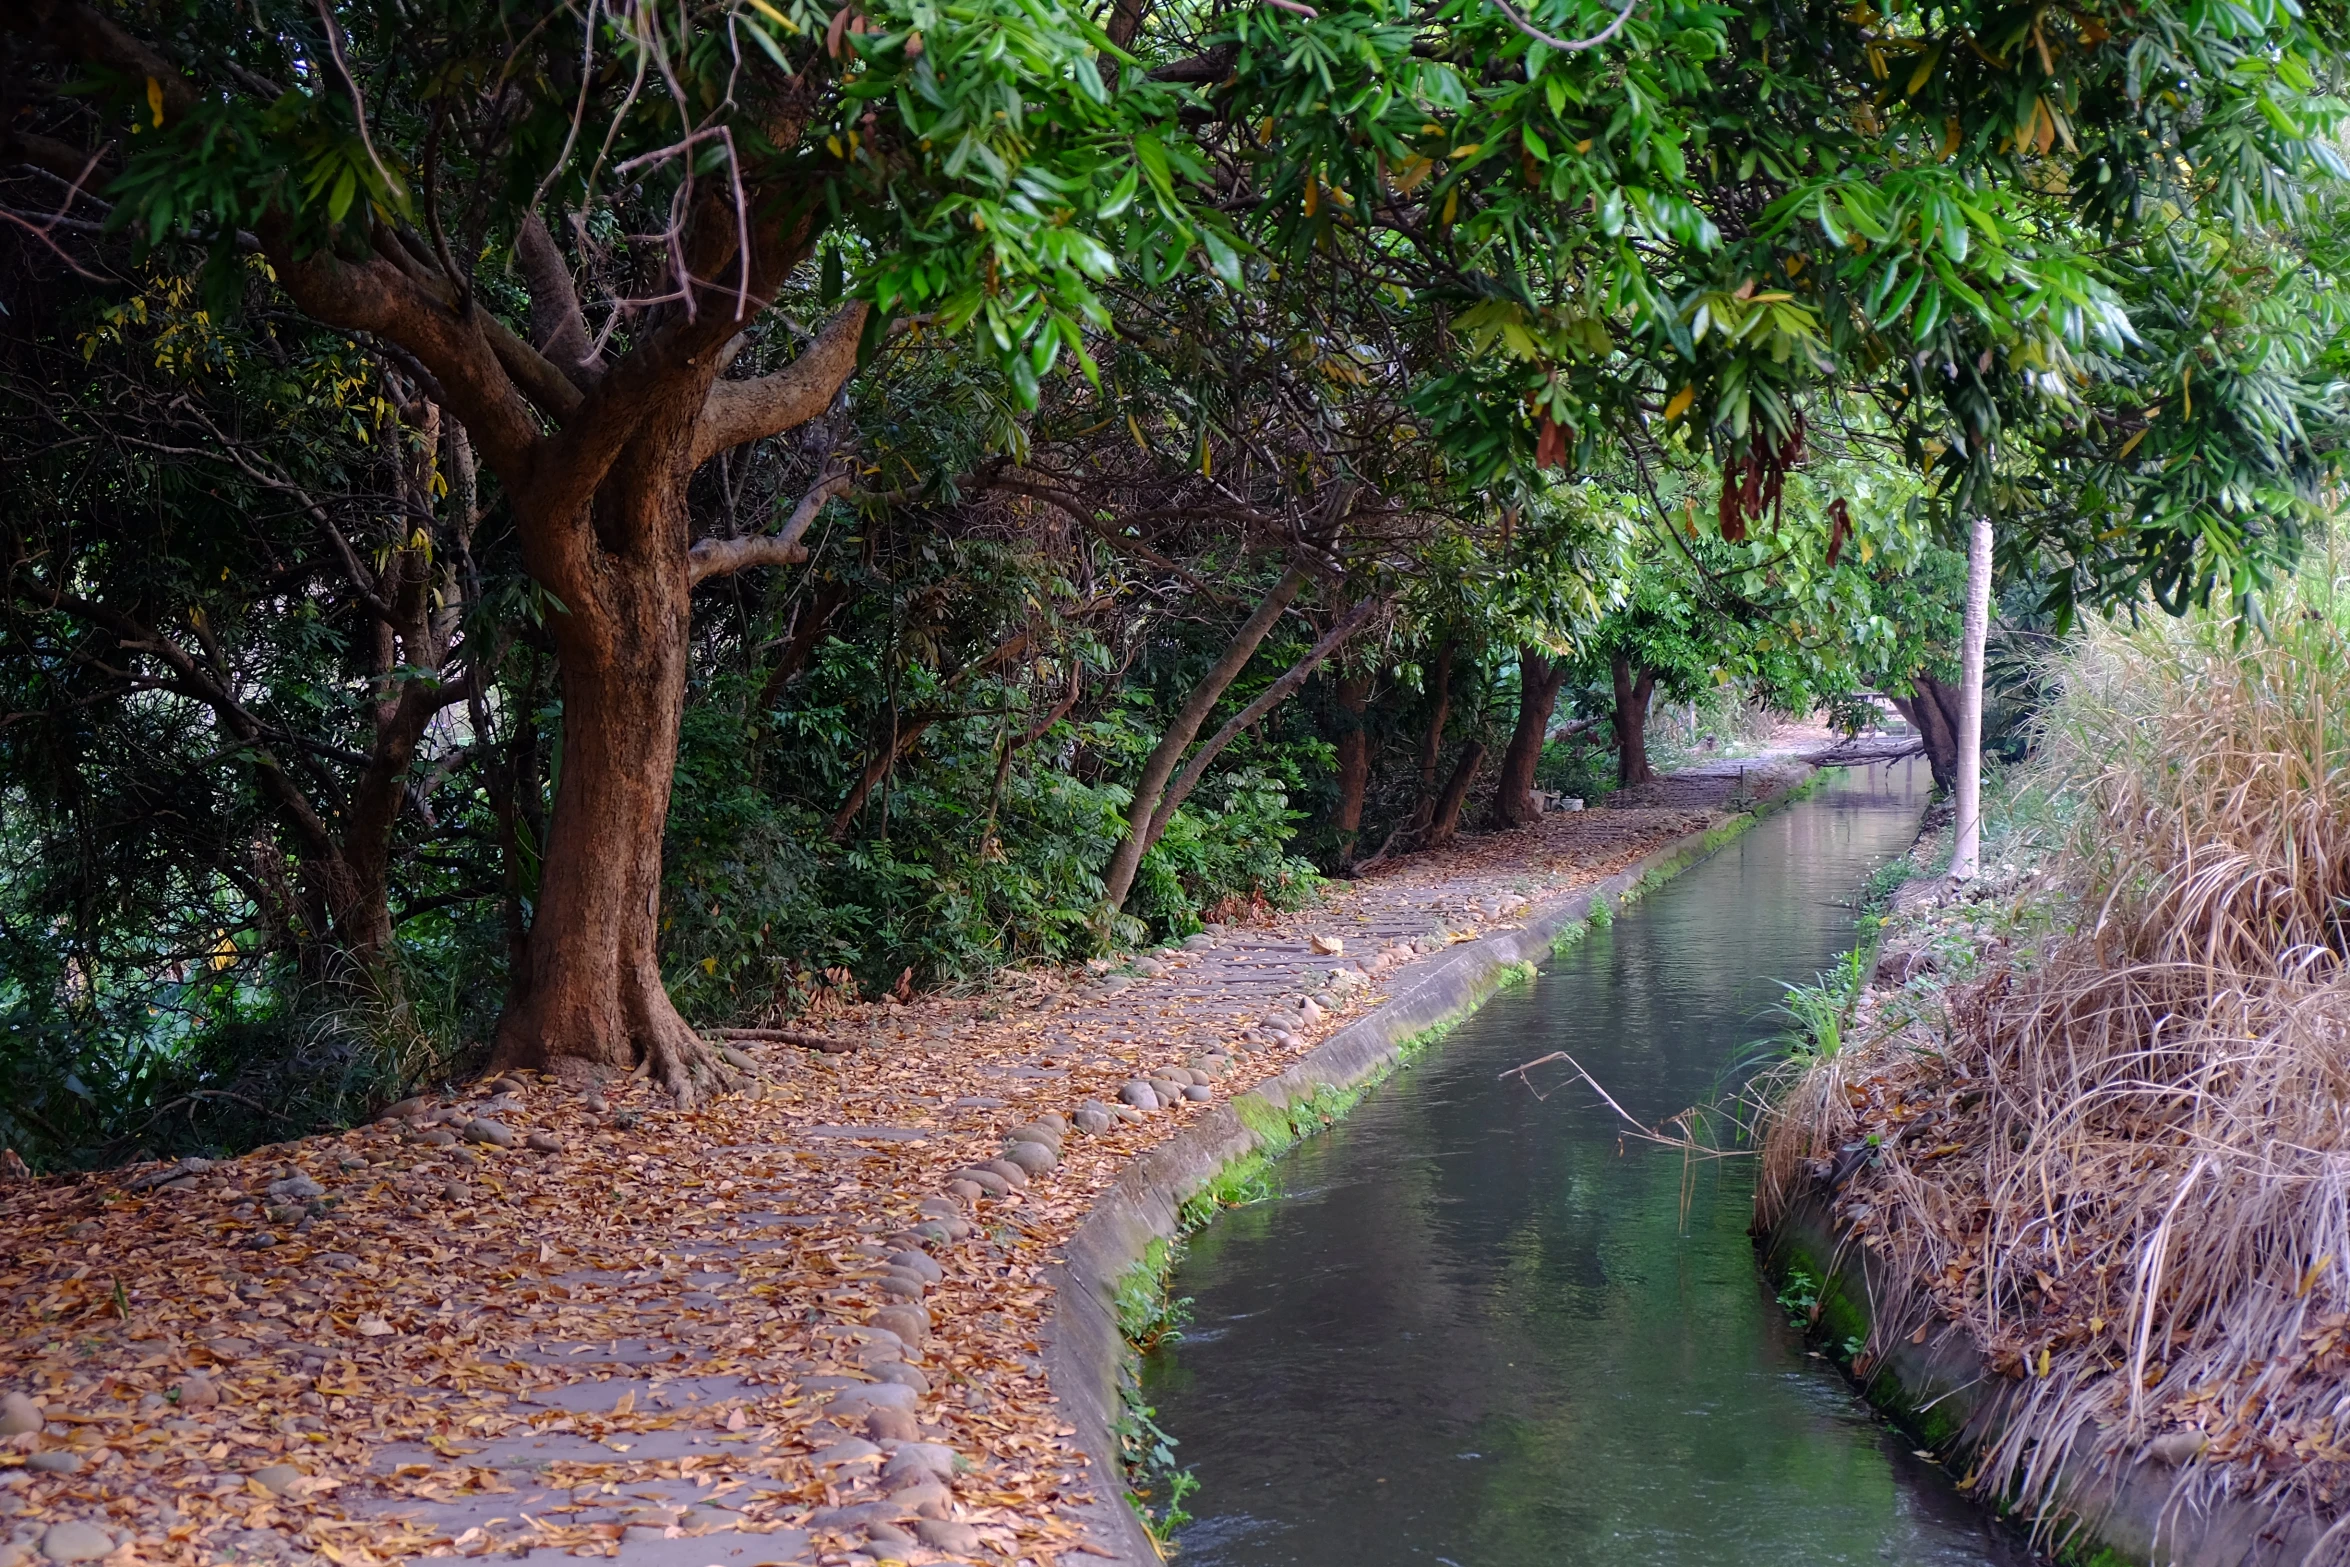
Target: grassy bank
x,y
2086,1120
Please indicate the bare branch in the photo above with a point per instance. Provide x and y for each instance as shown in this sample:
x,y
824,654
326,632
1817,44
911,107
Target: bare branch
x,y
719,557
555,319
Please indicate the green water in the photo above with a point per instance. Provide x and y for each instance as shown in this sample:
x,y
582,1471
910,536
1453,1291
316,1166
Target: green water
x,y
1475,1328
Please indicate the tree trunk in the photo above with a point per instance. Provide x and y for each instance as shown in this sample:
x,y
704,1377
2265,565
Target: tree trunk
x,y
1159,766
1354,762
1633,692
1539,679
1966,850
593,1002
1438,678
1933,712
1447,819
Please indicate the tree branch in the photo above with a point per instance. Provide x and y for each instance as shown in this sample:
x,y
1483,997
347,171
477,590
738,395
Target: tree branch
x,y
555,321
739,411
720,557
1271,697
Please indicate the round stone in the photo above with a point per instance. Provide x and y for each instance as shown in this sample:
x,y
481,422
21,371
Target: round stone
x,y
20,1416
855,1401
1035,1158
439,1137
946,1536
891,1425
277,1479
987,1180
966,1189
543,1142
54,1463
1012,1174
1140,1095
919,1265
918,1458
76,1542
910,1323
197,1391
481,1129
900,1286
902,1374
1198,1092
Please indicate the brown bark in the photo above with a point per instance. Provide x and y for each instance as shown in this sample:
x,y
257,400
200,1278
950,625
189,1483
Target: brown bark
x,y
1933,711
1354,762
1272,696
1159,766
1447,819
1633,689
1539,679
1438,678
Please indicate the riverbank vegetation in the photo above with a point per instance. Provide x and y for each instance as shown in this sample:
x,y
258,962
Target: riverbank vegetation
x,y
2091,1113
529,534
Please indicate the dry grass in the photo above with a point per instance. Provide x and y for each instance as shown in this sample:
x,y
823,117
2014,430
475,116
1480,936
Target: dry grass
x,y
2124,1165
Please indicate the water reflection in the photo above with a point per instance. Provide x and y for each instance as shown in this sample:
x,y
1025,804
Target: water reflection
x,y
1475,1328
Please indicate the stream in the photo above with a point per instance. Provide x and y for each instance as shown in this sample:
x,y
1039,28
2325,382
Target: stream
x,y
1475,1328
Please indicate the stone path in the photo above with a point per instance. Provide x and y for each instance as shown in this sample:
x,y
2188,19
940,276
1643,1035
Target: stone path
x,y
795,1325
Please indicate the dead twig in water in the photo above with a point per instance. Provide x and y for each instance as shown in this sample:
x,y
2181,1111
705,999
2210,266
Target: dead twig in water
x,y
1686,1140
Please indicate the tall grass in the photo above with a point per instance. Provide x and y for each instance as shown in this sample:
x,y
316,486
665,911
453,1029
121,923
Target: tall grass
x,y
2131,1179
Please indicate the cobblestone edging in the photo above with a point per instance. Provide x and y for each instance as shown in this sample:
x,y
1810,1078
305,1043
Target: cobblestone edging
x,y
1085,1352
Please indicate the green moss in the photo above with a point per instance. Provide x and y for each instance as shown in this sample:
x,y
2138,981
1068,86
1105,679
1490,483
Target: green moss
x,y
1514,974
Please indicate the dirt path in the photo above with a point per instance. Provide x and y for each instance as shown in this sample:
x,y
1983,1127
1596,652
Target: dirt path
x,y
795,1325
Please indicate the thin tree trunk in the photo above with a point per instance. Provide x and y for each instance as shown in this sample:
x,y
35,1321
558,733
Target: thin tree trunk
x,y
1539,679
1159,766
1438,678
1354,762
1447,820
1632,692
1966,851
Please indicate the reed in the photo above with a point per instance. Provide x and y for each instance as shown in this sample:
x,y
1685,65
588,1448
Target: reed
x,y
2122,1164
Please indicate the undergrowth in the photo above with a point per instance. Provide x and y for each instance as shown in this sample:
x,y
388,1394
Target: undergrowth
x,y
2108,1135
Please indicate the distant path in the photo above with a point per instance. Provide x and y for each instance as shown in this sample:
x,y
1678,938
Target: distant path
x,y
757,1332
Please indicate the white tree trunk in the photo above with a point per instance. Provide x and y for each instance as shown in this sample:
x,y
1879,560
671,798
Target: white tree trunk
x,y
1967,852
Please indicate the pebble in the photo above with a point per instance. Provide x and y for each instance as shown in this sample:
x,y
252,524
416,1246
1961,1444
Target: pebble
x,y
968,1190
1284,1022
277,1479
902,1374
1035,1158
1095,1119
934,1458
483,1130
910,1323
440,1137
54,1463
1198,1092
76,1542
1038,1132
1166,1090
986,1180
917,1263
924,1496
900,1286
891,1425
296,1188
1140,1095
20,1416
947,1536
1198,943
457,1191
197,1391
543,1142
1012,1175
871,1395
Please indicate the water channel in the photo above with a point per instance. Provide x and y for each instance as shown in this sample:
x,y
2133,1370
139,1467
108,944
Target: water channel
x,y
1474,1329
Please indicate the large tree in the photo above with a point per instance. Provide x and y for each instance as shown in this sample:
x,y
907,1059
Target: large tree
x,y
651,177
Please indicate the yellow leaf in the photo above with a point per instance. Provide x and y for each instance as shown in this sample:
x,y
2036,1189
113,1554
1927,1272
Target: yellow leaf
x,y
1470,151
1680,403
2129,446
1924,73
627,1403
709,965
1584,145
155,100
1452,202
773,15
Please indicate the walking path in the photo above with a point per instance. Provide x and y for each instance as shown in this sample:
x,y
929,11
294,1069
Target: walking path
x,y
798,1324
